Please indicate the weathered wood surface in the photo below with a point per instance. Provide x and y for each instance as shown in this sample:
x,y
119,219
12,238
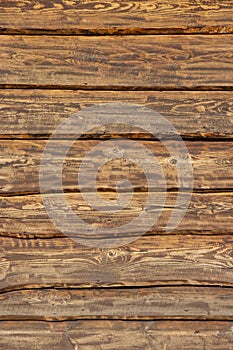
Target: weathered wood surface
x,y
160,260
161,16
153,62
186,275
20,161
114,335
203,303
37,113
208,213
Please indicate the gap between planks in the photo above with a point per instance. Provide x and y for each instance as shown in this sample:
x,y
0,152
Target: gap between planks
x,y
117,88
213,30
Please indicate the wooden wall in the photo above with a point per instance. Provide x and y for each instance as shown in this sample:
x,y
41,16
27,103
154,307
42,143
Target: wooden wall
x,y
165,290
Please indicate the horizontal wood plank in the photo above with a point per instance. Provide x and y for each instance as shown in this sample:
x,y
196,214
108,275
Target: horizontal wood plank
x,y
20,165
37,113
141,303
114,335
160,260
149,16
154,62
208,213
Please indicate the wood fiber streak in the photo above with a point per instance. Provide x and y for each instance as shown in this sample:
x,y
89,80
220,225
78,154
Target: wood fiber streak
x,y
114,335
208,213
142,303
20,163
161,62
193,260
91,17
37,113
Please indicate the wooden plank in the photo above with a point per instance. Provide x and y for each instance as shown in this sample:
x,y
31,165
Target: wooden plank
x,y
208,213
141,303
34,335
114,335
154,62
20,166
152,336
207,114
161,16
160,260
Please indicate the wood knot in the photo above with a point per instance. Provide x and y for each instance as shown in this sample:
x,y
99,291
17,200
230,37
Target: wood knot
x,y
116,254
112,253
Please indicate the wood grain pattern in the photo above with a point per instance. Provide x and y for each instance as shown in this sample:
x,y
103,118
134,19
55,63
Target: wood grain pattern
x,y
37,113
208,213
116,51
142,303
160,16
20,166
153,62
114,335
160,260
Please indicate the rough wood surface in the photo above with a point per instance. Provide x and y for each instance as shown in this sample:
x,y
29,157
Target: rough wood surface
x,y
160,260
208,213
114,335
161,16
20,165
142,303
37,113
100,52
153,62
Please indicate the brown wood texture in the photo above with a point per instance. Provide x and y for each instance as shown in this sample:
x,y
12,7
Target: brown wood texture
x,y
203,303
159,260
82,17
37,113
130,62
114,335
20,166
165,290
208,213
